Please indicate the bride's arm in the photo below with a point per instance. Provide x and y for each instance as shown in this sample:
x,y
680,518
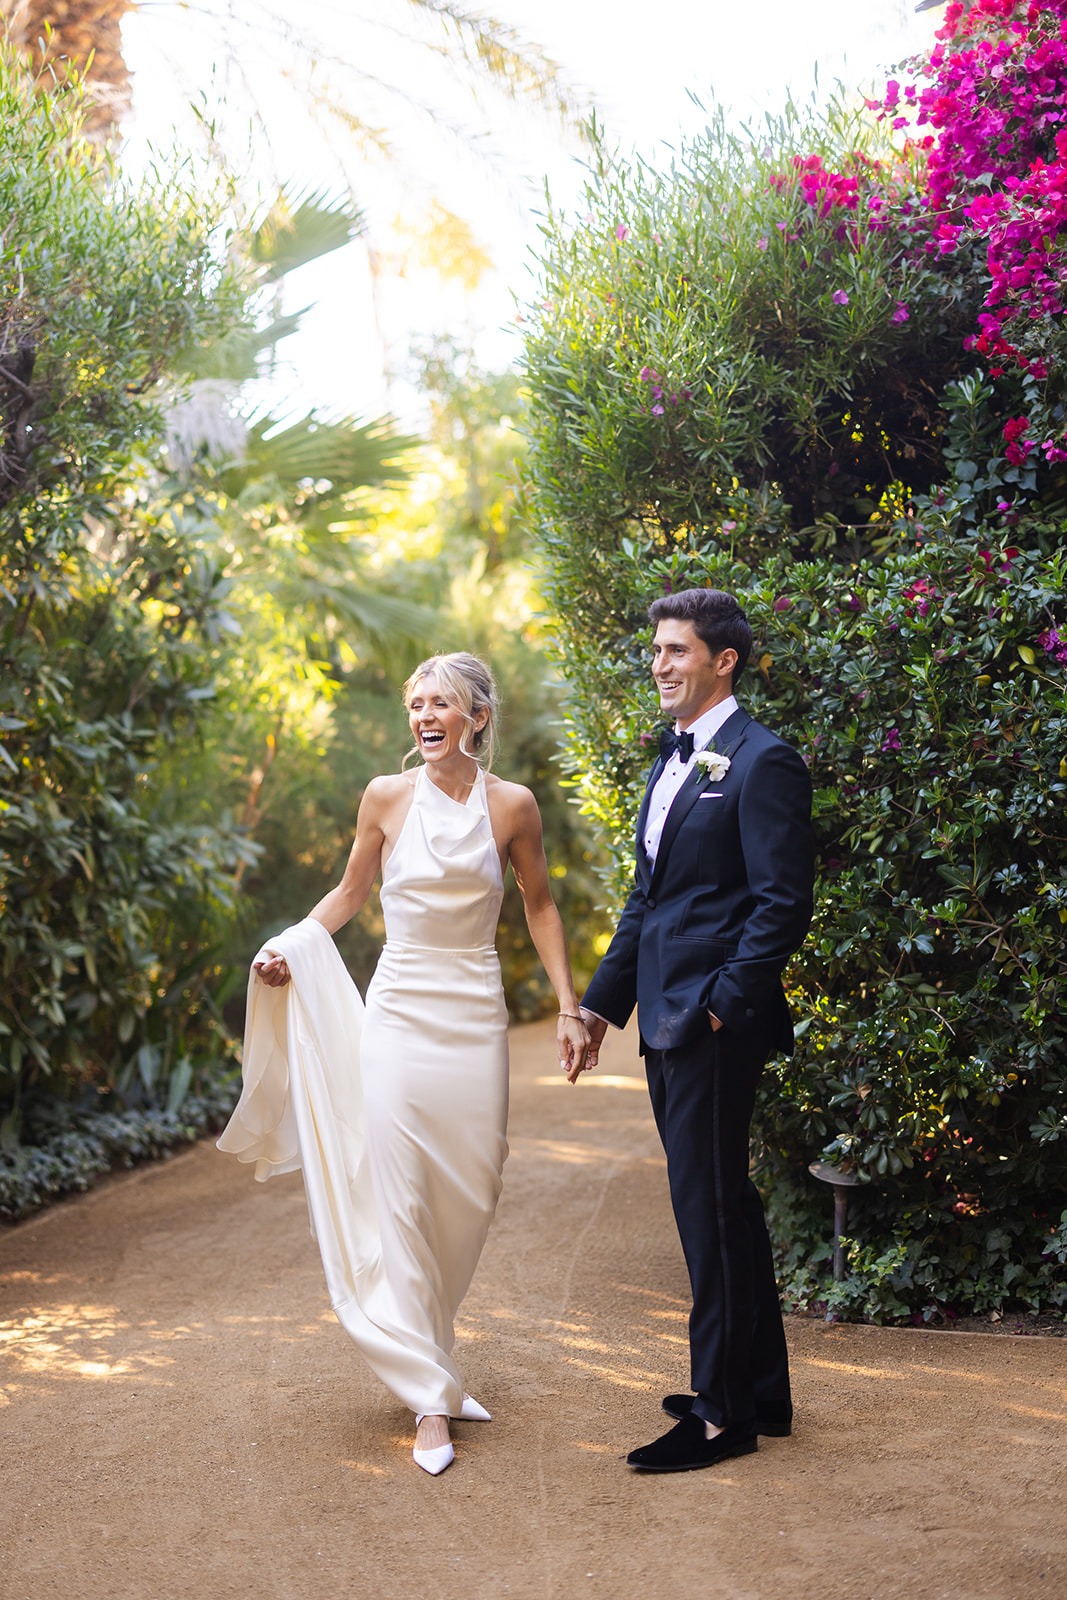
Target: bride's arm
x,y
347,897
364,860
527,855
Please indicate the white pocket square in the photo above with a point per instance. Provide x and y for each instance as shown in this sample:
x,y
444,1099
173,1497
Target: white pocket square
x,y
715,794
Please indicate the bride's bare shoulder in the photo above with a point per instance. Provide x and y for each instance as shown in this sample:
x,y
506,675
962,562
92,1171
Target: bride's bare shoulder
x,y
512,800
387,790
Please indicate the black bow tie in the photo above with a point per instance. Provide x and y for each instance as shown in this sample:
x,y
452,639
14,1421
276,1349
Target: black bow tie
x,y
670,742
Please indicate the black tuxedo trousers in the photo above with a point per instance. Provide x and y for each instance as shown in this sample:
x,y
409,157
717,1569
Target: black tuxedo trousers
x,y
702,1095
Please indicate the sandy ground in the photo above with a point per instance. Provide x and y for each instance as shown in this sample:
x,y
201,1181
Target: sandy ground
x,y
181,1414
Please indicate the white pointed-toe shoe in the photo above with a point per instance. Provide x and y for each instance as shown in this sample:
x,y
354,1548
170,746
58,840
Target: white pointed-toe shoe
x,y
436,1460
469,1411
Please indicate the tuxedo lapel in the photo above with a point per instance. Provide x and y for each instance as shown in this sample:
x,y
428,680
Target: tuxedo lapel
x,y
641,859
732,732
729,737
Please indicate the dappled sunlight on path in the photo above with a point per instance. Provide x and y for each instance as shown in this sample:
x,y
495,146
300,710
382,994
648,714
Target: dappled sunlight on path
x,y
190,1418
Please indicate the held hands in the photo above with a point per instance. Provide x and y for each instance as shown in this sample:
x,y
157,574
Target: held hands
x,y
274,971
572,1041
587,1029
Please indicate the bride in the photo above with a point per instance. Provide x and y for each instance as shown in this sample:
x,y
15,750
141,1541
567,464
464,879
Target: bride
x,y
397,1114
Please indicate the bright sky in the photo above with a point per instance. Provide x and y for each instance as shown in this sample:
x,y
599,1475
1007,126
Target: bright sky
x,y
639,61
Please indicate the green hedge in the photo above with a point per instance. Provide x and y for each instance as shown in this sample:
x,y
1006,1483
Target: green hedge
x,y
112,909
908,645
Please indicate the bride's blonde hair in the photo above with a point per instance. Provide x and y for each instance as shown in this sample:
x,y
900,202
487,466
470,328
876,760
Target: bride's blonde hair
x,y
467,684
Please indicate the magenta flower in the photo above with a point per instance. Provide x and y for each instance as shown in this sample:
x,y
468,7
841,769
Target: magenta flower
x,y
891,740
782,603
901,314
622,231
1054,644
657,411
1016,447
761,244
840,297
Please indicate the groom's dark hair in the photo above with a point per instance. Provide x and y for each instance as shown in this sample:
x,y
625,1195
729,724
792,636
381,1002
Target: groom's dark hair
x,y
716,617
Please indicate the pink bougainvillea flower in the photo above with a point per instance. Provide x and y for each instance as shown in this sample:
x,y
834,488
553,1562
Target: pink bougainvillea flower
x,y
840,297
1017,448
1054,644
902,312
919,595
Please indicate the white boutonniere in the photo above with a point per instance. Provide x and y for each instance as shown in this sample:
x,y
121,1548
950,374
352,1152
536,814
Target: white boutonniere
x,y
715,765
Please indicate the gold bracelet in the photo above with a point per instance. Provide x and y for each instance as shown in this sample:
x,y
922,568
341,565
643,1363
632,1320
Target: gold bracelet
x,y
575,1016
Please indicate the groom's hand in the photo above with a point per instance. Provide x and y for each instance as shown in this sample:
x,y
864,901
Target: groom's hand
x,y
597,1029
572,1039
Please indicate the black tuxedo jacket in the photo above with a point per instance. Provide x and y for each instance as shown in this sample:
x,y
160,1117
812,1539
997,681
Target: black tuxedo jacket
x,y
711,926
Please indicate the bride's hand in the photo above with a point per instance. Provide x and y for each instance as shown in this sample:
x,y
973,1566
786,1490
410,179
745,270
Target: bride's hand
x,y
573,1041
274,971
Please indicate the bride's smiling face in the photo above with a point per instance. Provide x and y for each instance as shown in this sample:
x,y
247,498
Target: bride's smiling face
x,y
438,727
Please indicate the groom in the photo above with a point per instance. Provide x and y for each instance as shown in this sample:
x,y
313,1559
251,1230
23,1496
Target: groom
x,y
722,898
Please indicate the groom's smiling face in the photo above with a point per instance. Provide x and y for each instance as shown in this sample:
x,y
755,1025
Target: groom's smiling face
x,y
689,678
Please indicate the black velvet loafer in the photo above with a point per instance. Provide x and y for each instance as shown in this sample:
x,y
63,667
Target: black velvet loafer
x,y
687,1447
777,1424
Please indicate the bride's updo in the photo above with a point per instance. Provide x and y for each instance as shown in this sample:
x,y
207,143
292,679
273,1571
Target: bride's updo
x,y
467,684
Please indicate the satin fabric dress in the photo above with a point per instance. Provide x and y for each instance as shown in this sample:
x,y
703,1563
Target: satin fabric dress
x,y
396,1114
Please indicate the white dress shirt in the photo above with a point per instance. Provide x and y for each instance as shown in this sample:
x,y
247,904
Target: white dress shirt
x,y
676,771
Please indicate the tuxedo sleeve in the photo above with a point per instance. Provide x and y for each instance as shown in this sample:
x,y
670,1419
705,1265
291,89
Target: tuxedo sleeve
x,y
774,817
612,992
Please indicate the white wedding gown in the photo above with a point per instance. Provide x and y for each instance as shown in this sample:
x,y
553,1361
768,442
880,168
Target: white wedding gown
x,y
396,1115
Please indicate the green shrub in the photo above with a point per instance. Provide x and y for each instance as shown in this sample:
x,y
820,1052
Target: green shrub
x,y
109,616
66,1148
909,645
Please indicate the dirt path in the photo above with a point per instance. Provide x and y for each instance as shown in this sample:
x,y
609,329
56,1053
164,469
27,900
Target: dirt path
x,y
181,1414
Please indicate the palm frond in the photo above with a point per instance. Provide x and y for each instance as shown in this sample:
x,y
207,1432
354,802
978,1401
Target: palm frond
x,y
381,619
302,226
518,67
235,356
341,455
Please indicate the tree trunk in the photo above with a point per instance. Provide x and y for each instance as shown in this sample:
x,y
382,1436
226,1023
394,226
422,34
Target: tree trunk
x,y
85,34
